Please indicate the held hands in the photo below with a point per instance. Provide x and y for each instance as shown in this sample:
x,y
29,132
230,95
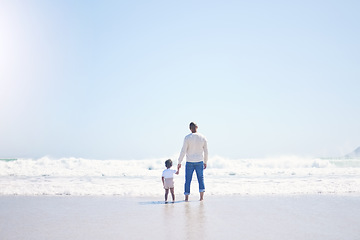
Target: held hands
x,y
178,168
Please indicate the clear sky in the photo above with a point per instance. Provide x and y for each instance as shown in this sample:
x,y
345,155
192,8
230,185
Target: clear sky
x,y
123,79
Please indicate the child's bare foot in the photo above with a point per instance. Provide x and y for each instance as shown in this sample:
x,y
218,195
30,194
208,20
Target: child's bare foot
x,y
186,198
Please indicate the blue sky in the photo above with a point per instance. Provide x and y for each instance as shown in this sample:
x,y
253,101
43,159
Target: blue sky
x,y
123,79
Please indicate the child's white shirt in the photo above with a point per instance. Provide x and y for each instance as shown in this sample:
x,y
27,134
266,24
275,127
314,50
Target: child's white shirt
x,y
168,173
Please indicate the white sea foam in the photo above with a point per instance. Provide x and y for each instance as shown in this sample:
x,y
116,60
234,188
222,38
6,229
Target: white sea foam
x,y
77,176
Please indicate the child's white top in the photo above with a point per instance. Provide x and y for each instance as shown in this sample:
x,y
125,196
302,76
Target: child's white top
x,y
168,173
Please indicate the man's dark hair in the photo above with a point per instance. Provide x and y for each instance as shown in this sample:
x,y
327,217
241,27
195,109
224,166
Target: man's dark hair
x,y
168,163
192,124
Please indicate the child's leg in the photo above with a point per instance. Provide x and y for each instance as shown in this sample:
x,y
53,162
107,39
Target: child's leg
x,y
172,194
166,194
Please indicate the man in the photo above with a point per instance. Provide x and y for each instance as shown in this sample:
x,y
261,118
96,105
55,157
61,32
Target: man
x,y
195,148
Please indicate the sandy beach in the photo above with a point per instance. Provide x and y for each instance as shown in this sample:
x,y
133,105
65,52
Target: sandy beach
x,y
330,217
257,99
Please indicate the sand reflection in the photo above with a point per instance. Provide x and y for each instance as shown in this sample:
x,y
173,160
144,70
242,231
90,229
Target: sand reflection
x,y
194,220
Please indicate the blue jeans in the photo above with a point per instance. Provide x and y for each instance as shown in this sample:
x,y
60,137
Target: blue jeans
x,y
198,167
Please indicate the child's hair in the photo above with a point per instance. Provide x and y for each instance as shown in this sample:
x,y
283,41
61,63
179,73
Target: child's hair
x,y
168,163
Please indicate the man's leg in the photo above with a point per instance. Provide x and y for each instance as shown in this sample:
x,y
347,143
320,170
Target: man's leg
x,y
189,170
200,176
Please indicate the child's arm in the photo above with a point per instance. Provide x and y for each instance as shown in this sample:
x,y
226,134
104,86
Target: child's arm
x,y
162,179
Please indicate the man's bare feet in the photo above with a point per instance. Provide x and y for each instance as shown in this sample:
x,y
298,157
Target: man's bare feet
x,y
201,196
186,198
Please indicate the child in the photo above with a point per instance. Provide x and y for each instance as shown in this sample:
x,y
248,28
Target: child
x,y
168,180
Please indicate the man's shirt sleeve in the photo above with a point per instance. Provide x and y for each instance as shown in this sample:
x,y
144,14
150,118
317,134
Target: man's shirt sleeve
x,y
205,152
183,151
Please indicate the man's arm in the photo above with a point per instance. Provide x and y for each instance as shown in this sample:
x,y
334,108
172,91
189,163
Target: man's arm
x,y
182,153
205,154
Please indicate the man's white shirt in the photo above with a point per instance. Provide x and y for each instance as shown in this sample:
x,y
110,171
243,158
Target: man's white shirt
x,y
195,148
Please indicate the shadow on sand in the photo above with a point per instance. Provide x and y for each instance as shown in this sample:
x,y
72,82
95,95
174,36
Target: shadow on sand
x,y
160,202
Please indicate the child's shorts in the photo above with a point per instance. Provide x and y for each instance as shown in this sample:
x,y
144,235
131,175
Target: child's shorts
x,y
168,183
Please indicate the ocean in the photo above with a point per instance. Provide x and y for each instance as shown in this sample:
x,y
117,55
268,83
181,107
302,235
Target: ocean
x,y
138,178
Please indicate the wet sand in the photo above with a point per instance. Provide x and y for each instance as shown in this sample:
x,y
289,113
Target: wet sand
x,y
237,217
